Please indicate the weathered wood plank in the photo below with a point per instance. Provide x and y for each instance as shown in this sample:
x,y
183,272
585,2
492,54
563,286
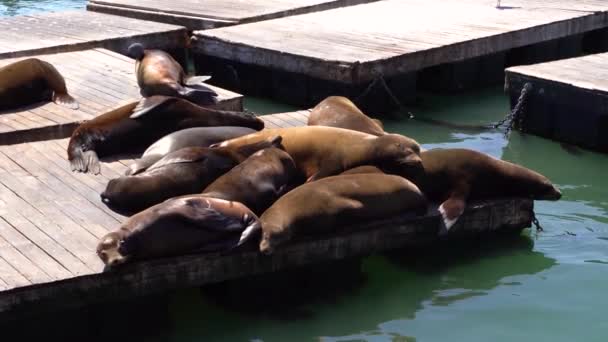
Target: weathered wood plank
x,y
568,99
29,35
99,79
354,45
201,15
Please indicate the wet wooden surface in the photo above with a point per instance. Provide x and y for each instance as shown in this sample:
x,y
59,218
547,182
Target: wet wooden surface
x,y
392,37
27,35
568,101
205,14
99,79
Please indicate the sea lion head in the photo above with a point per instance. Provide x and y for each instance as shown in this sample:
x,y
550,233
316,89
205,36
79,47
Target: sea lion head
x,y
544,190
136,50
109,250
124,192
398,152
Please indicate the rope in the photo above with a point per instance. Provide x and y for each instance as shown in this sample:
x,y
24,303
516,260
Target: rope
x,y
515,119
379,79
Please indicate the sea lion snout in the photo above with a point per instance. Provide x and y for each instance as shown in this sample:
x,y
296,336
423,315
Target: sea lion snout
x,y
108,250
136,50
553,194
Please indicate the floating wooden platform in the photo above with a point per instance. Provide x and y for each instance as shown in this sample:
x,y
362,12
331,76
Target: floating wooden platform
x,y
202,15
28,35
99,79
51,220
390,39
568,101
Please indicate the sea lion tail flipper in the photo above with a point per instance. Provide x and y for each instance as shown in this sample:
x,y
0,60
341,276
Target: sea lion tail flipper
x,y
199,94
450,211
86,161
249,232
147,104
65,100
193,81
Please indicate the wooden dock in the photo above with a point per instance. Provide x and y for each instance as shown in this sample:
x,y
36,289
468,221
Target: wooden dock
x,y
390,39
51,220
568,101
28,35
99,79
199,15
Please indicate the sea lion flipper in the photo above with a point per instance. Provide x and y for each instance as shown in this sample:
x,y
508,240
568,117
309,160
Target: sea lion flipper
x,y
249,232
199,94
142,164
195,80
65,100
451,210
147,104
86,161
379,123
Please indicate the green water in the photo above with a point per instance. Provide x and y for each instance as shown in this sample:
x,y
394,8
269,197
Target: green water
x,y
24,7
546,286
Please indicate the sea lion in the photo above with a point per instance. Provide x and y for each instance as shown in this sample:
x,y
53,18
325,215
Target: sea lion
x,y
258,181
322,206
178,226
321,151
136,125
197,136
186,171
159,74
453,176
338,111
32,80
362,169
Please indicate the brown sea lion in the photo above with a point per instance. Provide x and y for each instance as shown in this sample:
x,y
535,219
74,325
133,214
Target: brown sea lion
x,y
159,74
323,206
32,80
362,169
258,181
133,127
178,226
453,176
338,111
321,151
186,171
191,137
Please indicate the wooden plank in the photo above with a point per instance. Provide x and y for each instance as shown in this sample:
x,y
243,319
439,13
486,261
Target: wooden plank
x,y
29,35
99,79
214,13
354,45
568,101
507,215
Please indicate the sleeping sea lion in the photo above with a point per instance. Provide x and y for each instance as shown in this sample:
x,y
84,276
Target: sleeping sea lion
x,y
321,151
159,74
453,176
178,226
362,169
32,80
197,136
186,171
323,206
258,181
133,127
338,111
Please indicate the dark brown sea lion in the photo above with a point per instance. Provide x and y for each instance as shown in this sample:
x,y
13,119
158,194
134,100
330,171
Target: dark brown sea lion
x,y
178,226
32,80
323,206
258,181
133,127
186,171
453,176
159,74
327,151
191,137
338,111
